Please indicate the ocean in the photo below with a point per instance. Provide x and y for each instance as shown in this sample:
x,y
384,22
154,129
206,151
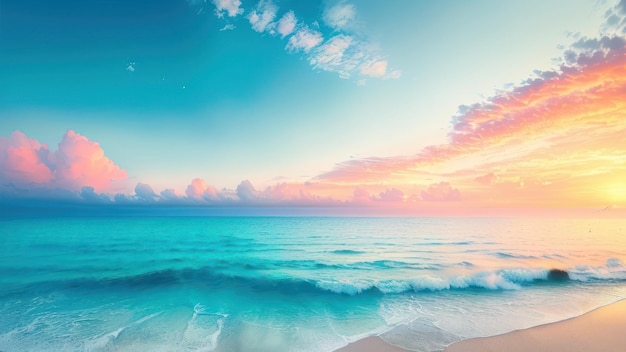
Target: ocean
x,y
295,283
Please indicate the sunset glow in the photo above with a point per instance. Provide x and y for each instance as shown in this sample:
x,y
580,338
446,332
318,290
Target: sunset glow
x,y
555,140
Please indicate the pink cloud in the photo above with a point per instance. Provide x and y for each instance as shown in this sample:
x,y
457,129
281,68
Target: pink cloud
x,y
22,160
360,196
79,162
547,128
391,195
200,190
488,179
439,192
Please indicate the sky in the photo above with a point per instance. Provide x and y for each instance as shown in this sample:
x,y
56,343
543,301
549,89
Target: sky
x,y
420,107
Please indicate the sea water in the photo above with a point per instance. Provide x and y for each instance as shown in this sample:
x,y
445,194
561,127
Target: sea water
x,y
294,283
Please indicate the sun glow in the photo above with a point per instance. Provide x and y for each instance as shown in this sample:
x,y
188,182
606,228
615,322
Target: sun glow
x,y
616,192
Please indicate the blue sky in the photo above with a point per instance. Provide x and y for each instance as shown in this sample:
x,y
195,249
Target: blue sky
x,y
174,90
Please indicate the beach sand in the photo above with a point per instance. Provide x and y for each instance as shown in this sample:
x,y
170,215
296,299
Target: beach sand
x,y
371,344
601,330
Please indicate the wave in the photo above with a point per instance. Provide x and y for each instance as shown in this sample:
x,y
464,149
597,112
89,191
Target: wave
x,y
203,330
101,342
347,251
311,264
506,255
502,279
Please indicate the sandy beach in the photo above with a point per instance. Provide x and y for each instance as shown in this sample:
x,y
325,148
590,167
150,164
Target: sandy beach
x,y
603,329
371,344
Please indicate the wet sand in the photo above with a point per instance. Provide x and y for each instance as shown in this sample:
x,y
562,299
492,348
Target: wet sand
x,y
601,330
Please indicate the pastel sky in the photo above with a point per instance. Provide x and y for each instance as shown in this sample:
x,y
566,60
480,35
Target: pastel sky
x,y
420,107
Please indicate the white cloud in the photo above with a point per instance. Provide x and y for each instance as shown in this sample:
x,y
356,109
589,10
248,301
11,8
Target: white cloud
x,y
231,8
261,19
131,67
332,52
395,74
333,56
374,68
349,53
287,24
339,15
304,39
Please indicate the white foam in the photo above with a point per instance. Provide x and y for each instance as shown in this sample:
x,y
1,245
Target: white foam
x,y
507,279
344,286
614,269
101,342
203,330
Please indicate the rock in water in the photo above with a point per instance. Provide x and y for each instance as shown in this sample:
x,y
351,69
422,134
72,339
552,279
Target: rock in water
x,y
558,275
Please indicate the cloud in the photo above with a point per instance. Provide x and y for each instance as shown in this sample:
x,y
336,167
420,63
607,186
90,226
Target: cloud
x,y
287,24
145,193
131,67
78,162
261,19
391,195
24,161
334,56
304,39
231,8
374,68
349,52
378,68
339,15
559,133
439,192
246,192
170,195
487,180
227,27
360,196
88,194
615,19
200,190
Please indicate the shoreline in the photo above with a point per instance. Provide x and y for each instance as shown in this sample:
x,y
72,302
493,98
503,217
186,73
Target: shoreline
x,y
601,329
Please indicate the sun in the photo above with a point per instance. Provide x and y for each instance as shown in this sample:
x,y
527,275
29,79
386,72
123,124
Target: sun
x,y
616,192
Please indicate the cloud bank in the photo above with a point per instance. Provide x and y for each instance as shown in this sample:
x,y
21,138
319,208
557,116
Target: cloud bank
x,y
556,139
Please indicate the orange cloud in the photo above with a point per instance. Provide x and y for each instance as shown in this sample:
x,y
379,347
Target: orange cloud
x,y
557,140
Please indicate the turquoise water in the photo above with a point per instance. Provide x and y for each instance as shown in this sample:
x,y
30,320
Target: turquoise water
x,y
294,283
